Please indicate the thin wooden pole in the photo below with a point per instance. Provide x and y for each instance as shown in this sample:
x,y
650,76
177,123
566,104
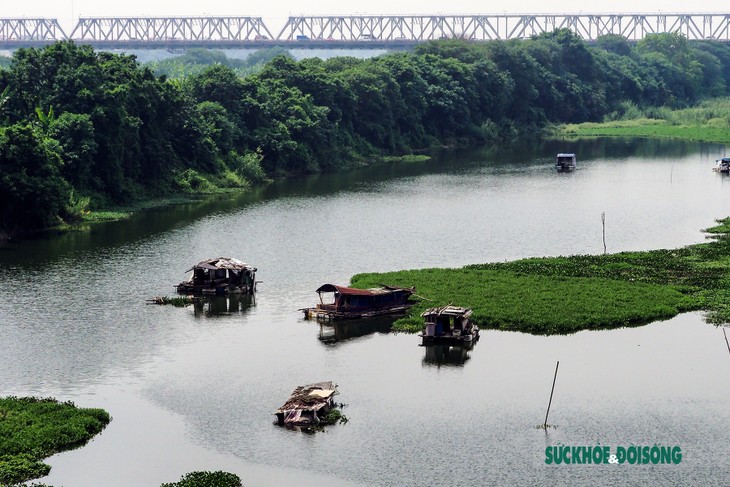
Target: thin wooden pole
x,y
726,342
551,394
603,223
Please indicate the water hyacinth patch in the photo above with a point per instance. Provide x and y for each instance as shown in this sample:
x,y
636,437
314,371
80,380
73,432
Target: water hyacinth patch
x,y
569,294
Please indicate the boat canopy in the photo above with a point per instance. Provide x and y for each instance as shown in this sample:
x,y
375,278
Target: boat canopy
x,y
448,310
351,291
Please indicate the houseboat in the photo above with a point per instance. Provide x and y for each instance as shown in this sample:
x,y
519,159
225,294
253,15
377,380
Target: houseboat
x,y
307,405
342,303
565,162
220,276
722,165
448,324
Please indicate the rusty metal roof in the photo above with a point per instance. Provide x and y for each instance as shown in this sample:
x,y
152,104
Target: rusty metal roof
x,y
351,291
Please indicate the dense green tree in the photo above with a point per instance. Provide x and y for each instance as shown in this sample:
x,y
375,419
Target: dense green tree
x,y
614,43
75,134
32,192
78,124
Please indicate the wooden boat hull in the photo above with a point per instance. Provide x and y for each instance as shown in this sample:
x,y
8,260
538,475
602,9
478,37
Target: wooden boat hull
x,y
333,315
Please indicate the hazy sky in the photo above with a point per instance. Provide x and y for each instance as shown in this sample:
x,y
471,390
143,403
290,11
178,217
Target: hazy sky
x,y
275,12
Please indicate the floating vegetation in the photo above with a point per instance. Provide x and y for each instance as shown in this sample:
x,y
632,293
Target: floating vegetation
x,y
560,295
32,429
207,479
333,416
179,301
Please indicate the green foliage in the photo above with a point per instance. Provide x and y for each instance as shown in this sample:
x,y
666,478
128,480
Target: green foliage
x,y
15,469
248,166
191,181
32,429
32,191
196,60
568,294
535,303
709,121
115,133
333,416
207,479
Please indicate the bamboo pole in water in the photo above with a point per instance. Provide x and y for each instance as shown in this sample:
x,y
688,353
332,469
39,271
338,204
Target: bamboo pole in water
x,y
726,342
551,394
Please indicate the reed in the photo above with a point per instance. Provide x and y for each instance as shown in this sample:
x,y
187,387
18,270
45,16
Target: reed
x,y
708,121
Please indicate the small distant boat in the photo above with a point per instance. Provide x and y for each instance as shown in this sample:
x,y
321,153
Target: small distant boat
x,y
220,276
307,405
448,324
722,165
351,303
565,162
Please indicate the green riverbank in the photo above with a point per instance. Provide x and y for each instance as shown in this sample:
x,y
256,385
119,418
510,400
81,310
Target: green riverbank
x,y
564,295
707,122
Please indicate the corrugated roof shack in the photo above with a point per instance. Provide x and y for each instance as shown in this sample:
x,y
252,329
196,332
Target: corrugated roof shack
x,y
448,324
307,405
222,275
352,303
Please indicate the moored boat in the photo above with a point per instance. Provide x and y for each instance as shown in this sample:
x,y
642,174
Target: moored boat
x,y
722,165
565,161
448,324
350,303
219,276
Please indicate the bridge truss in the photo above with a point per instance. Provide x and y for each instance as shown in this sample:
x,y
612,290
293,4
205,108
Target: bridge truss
x,y
19,30
164,29
355,30
502,26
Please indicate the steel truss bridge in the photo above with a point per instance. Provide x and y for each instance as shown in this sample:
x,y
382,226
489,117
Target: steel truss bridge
x,y
351,30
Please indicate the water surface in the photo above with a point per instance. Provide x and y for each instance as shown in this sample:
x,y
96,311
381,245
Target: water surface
x,y
195,388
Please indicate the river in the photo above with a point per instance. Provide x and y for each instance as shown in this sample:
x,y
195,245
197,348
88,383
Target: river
x,y
194,388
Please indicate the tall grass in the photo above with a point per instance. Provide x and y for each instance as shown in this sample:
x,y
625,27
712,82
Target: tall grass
x,y
709,121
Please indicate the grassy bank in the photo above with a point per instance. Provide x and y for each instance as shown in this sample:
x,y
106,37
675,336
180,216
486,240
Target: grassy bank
x,y
569,294
32,429
706,122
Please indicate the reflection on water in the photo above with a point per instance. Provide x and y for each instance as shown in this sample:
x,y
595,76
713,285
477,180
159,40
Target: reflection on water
x,y
336,331
207,306
448,355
